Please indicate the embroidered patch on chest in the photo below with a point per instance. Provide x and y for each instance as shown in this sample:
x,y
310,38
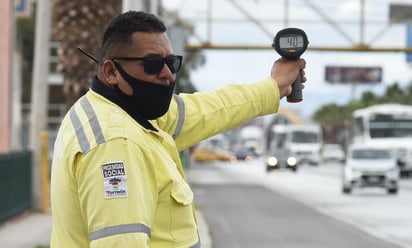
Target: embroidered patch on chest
x,y
115,180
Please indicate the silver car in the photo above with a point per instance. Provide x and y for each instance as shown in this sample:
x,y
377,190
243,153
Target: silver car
x,y
369,166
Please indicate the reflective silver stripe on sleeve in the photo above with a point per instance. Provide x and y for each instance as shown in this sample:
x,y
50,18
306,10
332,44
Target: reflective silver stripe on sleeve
x,y
181,120
78,128
197,245
120,229
94,122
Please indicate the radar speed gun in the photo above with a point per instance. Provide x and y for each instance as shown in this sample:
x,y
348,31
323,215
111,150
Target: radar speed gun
x,y
290,43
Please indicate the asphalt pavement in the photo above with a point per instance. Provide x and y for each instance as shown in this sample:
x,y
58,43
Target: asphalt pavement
x,y
242,212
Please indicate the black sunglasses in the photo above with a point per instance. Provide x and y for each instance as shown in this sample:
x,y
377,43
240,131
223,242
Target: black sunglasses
x,y
153,64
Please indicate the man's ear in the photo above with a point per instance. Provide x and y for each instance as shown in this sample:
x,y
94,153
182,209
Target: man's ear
x,y
109,72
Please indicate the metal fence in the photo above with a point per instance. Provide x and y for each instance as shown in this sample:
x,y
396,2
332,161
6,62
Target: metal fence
x,y
15,190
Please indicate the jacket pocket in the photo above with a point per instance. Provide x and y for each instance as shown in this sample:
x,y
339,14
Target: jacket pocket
x,y
183,224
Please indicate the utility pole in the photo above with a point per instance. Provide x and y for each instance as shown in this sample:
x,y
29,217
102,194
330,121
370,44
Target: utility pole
x,y
6,31
16,103
39,95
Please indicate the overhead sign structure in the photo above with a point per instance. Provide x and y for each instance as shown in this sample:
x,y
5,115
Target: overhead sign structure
x,y
353,74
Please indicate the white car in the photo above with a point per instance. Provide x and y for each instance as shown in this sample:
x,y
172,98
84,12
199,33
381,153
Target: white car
x,y
368,166
332,153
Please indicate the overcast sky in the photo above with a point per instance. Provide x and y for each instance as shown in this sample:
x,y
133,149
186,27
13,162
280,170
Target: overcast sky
x,y
230,26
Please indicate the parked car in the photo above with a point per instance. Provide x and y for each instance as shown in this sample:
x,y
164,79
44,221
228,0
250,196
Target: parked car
x,y
368,166
332,153
243,154
281,158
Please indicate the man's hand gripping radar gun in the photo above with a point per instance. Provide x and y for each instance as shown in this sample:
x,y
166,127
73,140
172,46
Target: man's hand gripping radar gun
x,y
290,43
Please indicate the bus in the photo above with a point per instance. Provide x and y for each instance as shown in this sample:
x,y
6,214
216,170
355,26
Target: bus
x,y
303,141
389,126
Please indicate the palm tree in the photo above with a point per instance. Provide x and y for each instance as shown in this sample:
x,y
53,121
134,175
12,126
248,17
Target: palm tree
x,y
80,23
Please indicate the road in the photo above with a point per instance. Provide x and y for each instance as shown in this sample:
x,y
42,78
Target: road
x,y
247,207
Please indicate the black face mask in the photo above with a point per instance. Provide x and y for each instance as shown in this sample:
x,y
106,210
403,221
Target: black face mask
x,y
150,100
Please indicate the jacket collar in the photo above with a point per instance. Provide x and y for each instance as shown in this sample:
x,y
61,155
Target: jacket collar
x,y
110,94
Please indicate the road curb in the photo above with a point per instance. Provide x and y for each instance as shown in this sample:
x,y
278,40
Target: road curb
x,y
204,231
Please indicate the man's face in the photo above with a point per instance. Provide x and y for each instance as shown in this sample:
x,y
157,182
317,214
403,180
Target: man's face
x,y
146,44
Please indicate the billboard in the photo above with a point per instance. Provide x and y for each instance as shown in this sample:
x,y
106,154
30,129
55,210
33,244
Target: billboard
x,y
353,74
400,13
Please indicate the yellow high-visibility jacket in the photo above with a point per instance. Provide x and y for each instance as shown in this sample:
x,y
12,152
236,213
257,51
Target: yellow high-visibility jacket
x,y
117,184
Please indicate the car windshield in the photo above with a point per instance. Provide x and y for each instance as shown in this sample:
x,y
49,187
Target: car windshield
x,y
304,137
332,151
332,148
371,154
390,126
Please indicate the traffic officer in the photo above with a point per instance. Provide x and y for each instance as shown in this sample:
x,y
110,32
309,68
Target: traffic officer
x,y
117,180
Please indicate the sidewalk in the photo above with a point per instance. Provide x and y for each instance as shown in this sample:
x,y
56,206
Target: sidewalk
x,y
27,230
32,229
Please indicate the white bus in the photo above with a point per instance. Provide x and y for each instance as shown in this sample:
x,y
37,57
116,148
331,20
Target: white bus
x,y
389,126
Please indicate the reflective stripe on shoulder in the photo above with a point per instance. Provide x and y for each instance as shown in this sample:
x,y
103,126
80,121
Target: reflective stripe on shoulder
x,y
78,128
93,122
181,120
120,229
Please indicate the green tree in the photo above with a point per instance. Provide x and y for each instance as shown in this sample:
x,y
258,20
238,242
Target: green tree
x,y
80,23
393,93
408,94
327,116
369,98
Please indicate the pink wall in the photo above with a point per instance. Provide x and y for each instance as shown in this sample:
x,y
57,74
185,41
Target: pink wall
x,y
5,73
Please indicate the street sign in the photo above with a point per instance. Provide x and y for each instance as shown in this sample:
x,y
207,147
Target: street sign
x,y
353,74
22,8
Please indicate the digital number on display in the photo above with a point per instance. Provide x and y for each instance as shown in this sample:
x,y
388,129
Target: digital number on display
x,y
291,42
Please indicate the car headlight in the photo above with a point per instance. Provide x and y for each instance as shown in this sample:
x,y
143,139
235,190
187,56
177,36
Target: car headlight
x,y
272,161
259,151
291,161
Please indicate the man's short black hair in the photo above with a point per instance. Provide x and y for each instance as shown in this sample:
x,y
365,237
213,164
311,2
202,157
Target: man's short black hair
x,y
120,30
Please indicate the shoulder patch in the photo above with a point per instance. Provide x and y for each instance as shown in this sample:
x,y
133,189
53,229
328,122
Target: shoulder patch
x,y
115,180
